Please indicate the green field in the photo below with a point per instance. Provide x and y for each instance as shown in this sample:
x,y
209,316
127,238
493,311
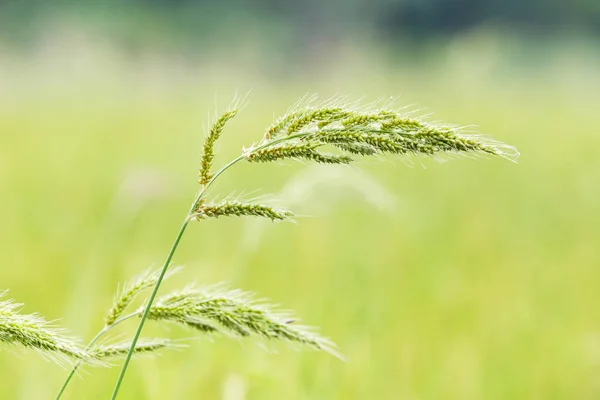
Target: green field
x,y
471,279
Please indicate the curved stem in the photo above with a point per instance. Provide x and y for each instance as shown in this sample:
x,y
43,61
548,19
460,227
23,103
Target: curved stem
x,y
165,266
89,346
138,332
163,271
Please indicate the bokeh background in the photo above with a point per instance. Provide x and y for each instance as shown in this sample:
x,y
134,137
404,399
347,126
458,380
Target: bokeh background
x,y
472,279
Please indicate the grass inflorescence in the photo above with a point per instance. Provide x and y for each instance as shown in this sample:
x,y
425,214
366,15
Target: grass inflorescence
x,y
306,151
234,312
238,208
208,156
33,332
365,132
131,290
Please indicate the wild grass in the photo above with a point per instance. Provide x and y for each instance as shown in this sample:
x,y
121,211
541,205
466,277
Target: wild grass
x,y
299,134
304,133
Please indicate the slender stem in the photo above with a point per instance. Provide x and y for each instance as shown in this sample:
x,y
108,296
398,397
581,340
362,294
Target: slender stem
x,y
165,266
138,332
163,271
89,346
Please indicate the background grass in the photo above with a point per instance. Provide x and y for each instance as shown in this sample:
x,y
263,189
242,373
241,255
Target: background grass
x,y
468,280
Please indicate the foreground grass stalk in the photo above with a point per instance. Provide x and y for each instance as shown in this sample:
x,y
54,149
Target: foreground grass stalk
x,y
161,277
163,272
165,267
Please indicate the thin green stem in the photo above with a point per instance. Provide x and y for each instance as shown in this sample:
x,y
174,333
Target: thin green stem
x,y
89,346
165,266
138,332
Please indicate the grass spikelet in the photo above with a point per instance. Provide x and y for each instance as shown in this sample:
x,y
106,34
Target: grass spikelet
x,y
300,107
383,143
199,325
308,111
359,149
324,116
236,313
131,290
33,332
329,158
208,155
143,346
237,208
361,119
305,151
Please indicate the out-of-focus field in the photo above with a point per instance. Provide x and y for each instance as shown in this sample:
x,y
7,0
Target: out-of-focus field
x,y
472,279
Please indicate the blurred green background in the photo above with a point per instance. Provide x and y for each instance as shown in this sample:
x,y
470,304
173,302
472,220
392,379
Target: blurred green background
x,y
472,279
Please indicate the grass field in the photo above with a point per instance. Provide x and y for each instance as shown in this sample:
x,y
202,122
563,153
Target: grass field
x,y
472,279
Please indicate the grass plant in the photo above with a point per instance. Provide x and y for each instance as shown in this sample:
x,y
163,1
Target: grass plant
x,y
331,132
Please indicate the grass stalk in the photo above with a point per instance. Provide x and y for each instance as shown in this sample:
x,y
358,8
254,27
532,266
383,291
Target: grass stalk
x,y
165,267
163,272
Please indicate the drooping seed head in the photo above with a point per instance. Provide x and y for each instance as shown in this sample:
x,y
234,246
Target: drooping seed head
x,y
306,151
238,208
364,131
218,310
33,332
